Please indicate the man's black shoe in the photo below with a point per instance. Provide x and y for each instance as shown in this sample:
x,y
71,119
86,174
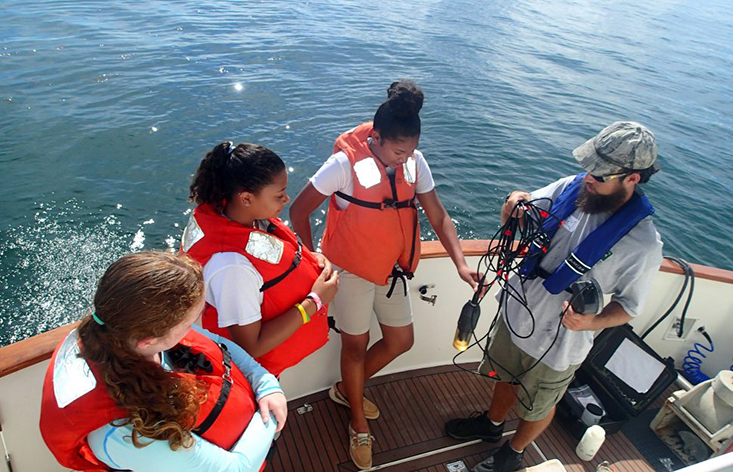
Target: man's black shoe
x,y
505,459
476,426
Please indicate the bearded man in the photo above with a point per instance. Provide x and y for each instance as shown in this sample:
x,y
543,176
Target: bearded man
x,y
602,230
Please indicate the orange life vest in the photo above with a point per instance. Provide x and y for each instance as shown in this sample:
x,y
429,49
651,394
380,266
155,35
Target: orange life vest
x,y
288,270
75,401
379,229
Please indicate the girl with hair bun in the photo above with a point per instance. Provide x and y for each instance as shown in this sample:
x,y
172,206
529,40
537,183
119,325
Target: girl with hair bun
x,y
372,233
135,387
264,290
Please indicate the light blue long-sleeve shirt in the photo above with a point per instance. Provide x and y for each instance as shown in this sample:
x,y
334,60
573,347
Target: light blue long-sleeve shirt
x,y
113,445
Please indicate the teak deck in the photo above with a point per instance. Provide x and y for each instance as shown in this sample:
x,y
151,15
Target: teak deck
x,y
409,433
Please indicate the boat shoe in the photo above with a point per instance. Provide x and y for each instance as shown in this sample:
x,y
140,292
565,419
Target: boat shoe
x,y
371,412
476,426
360,448
504,459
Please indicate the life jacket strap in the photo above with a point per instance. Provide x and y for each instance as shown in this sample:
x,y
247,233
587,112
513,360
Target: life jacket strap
x,y
576,265
399,274
572,261
415,223
332,324
293,266
226,387
383,205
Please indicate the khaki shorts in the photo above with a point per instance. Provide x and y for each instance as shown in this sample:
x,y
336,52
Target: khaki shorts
x,y
543,387
358,299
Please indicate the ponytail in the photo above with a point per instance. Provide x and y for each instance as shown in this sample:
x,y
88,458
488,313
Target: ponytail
x,y
228,169
140,296
399,115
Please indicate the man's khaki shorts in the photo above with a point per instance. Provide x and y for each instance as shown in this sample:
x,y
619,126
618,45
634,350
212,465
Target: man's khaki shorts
x,y
539,390
357,300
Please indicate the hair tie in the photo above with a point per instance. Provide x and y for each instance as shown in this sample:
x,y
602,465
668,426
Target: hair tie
x,y
96,319
232,147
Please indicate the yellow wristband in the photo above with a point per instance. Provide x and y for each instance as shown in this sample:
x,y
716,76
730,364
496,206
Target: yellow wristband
x,y
303,313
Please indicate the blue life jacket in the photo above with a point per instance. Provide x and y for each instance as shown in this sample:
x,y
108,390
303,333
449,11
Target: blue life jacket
x,y
593,247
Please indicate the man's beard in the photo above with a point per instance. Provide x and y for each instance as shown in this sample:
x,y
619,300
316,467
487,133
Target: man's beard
x,y
590,203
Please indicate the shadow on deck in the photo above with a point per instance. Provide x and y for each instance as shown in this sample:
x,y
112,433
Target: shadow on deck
x,y
409,433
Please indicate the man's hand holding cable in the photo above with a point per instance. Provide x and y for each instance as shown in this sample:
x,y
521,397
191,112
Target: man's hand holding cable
x,y
612,315
511,201
575,321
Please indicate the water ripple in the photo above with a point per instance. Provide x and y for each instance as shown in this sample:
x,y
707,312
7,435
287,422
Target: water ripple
x,y
108,102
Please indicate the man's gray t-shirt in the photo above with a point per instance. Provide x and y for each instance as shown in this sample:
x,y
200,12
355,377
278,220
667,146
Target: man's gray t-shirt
x,y
626,273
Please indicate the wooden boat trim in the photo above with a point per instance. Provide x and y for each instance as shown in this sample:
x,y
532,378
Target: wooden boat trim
x,y
39,348
477,247
33,350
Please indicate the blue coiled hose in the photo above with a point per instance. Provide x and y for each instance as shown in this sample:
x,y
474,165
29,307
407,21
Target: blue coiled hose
x,y
693,360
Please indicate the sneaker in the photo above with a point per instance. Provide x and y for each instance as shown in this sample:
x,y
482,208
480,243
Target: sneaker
x,y
360,449
371,412
504,459
476,426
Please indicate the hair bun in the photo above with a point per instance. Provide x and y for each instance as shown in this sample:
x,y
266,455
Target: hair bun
x,y
405,98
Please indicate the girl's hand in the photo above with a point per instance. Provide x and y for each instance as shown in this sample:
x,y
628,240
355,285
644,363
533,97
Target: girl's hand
x,y
470,276
326,286
278,405
323,263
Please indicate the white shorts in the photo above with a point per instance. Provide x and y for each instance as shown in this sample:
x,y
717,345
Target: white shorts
x,y
357,299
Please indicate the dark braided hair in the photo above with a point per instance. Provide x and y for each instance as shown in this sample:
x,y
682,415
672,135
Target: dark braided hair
x,y
225,171
399,115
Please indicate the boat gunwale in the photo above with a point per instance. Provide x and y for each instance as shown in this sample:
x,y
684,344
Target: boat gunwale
x,y
38,348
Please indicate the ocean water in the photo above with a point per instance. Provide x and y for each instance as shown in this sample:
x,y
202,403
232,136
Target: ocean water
x,y
106,108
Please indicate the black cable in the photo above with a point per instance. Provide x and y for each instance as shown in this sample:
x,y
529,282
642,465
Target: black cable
x,y
515,377
689,278
689,294
504,256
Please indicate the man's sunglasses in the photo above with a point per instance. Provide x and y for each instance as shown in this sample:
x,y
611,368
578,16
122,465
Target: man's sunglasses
x,y
606,178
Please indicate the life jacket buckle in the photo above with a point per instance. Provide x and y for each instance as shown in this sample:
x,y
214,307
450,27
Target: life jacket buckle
x,y
399,274
388,203
227,363
228,376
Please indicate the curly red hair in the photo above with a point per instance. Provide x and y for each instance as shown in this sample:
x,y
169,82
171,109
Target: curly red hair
x,y
144,295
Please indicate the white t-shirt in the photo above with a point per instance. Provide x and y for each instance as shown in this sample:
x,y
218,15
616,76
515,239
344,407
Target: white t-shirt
x,y
233,287
626,274
335,176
